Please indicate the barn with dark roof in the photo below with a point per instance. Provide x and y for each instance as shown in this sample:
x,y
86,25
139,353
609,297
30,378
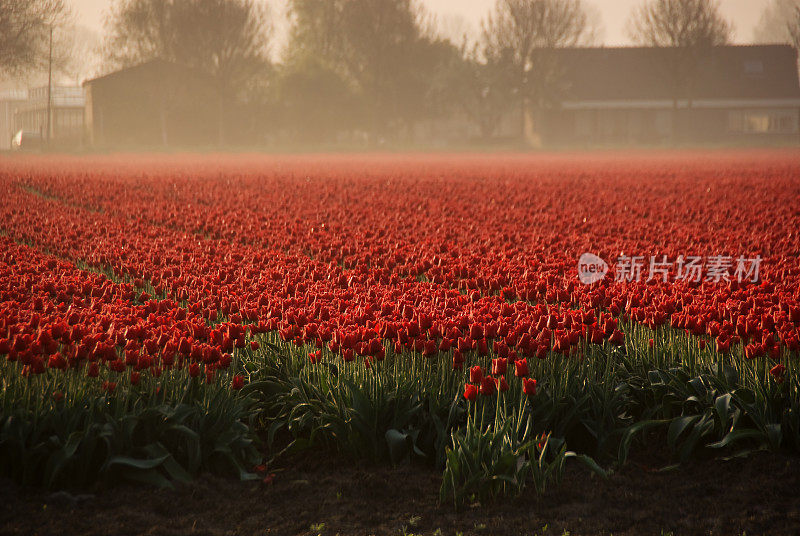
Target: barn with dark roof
x,y
726,95
156,104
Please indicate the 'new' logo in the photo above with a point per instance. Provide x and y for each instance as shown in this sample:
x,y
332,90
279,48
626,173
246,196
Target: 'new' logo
x,y
591,268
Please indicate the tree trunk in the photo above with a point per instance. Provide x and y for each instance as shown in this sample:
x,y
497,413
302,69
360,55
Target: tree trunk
x,y
221,118
674,133
162,109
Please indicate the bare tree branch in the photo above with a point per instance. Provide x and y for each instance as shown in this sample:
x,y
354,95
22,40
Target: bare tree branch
x,y
793,27
679,23
522,34
24,32
776,22
387,51
227,39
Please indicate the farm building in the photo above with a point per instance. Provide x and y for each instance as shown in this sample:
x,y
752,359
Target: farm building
x,y
156,104
66,115
26,110
10,101
726,95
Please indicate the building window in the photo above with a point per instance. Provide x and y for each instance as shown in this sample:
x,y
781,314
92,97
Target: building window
x,y
753,67
758,122
787,123
763,121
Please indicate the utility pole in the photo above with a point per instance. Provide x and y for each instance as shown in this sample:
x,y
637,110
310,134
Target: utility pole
x,y
49,88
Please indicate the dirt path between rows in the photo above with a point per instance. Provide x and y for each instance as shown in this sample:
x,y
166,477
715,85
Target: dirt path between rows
x,y
757,495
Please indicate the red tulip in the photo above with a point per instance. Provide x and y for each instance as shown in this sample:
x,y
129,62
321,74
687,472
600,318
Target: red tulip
x,y
499,366
57,361
529,387
237,382
470,392
475,374
777,372
617,338
488,386
503,384
521,368
476,332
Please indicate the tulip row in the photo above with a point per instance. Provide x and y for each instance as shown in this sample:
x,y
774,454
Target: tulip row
x,y
465,270
419,277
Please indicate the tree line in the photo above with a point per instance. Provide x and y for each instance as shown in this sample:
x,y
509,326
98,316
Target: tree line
x,y
371,69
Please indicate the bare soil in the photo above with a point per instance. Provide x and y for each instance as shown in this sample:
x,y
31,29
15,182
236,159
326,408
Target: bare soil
x,y
756,495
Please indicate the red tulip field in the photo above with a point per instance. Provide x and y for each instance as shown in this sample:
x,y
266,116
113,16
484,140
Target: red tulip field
x,y
499,319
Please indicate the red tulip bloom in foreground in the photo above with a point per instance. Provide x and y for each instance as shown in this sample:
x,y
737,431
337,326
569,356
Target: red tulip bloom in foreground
x,y
542,440
57,361
529,387
617,338
499,366
470,392
521,368
238,382
778,372
476,374
503,384
458,360
488,386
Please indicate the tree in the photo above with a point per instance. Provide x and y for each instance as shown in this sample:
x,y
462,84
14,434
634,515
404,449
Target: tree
x,y
522,34
777,22
316,31
794,28
456,29
481,88
315,103
687,29
688,24
227,39
24,32
75,52
384,50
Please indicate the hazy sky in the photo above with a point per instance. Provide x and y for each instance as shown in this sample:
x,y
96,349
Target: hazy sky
x,y
743,13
